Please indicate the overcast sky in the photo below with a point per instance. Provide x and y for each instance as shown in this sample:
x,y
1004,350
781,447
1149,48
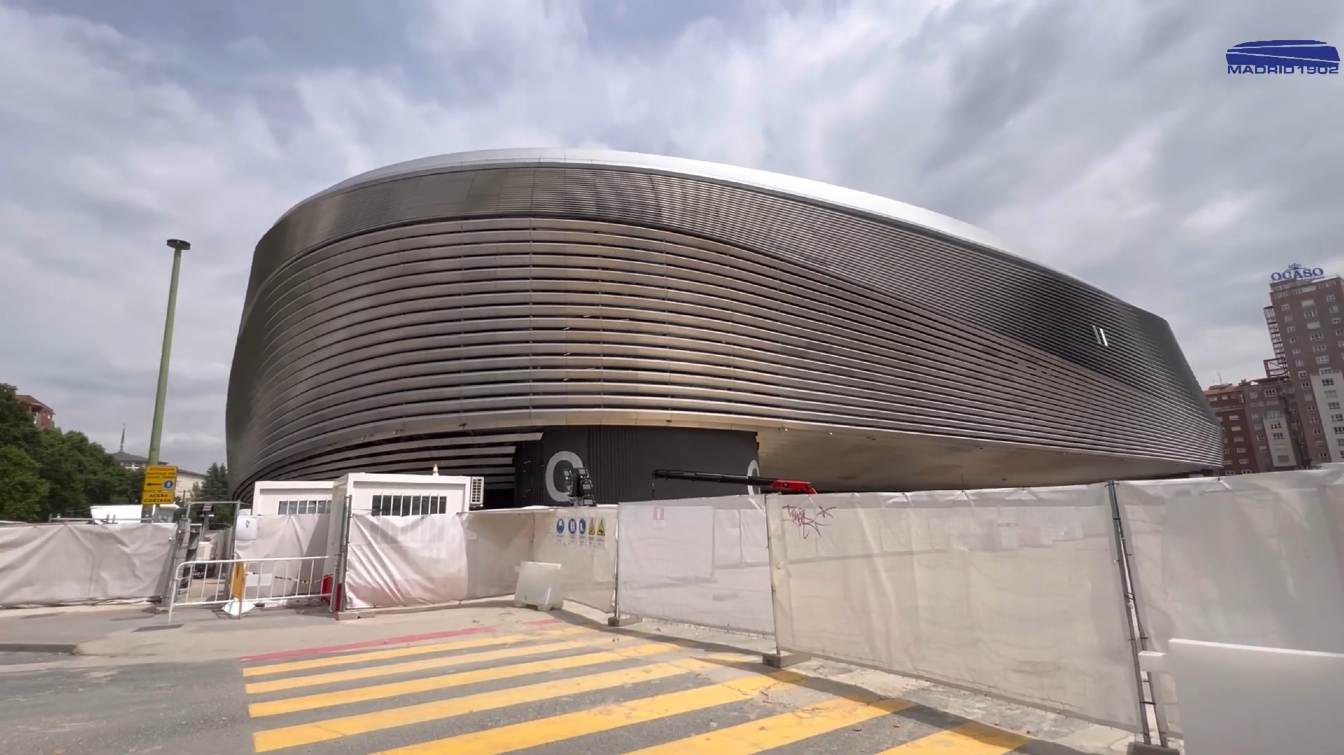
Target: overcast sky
x,y
1103,139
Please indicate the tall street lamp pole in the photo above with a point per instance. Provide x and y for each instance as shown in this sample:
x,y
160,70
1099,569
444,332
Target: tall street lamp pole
x,y
156,432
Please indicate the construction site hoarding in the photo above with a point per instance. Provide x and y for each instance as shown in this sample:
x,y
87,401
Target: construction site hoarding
x,y
63,564
582,539
282,536
1245,559
697,560
395,561
405,561
1011,592
496,543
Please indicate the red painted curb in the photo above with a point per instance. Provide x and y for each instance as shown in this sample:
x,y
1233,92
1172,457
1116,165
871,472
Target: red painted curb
x,y
326,649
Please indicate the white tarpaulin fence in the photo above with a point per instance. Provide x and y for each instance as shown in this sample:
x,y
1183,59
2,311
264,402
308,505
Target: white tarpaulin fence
x,y
697,560
285,536
583,541
405,561
1011,592
1250,559
442,558
496,543
82,563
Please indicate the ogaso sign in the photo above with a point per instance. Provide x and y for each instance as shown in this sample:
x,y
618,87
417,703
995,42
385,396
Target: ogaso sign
x,y
1297,272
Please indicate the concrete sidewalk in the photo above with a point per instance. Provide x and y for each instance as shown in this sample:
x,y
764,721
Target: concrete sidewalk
x,y
142,634
60,629
67,629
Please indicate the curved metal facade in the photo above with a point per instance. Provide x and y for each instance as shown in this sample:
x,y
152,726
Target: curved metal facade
x,y
449,309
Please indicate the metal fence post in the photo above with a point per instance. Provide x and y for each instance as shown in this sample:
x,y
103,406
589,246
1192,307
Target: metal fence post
x,y
616,619
1132,626
780,658
1130,585
338,576
172,594
170,585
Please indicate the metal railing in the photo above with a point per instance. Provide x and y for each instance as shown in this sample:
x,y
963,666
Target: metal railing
x,y
259,581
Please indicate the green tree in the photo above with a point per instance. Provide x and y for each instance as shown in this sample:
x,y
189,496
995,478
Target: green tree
x,y
21,485
76,471
135,484
16,424
215,487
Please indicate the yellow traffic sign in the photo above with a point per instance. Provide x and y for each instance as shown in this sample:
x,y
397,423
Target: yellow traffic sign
x,y
160,485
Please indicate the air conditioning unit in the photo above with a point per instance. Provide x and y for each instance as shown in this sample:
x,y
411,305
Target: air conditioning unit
x,y
476,494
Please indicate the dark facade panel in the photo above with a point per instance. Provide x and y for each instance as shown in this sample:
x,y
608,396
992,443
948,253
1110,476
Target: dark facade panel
x,y
516,292
621,461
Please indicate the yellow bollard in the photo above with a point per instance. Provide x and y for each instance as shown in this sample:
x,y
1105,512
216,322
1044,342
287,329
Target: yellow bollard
x,y
238,582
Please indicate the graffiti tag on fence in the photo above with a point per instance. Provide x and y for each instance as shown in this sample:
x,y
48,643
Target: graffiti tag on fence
x,y
807,521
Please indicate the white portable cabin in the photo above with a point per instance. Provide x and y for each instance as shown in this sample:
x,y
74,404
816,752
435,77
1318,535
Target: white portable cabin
x,y
399,495
272,497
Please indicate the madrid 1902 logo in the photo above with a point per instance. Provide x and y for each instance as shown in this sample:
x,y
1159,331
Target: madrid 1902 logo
x,y
1279,56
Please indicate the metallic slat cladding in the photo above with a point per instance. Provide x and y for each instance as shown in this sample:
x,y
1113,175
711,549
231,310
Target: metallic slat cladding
x,y
395,317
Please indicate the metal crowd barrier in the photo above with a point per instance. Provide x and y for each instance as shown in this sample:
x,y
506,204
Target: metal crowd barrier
x,y
248,580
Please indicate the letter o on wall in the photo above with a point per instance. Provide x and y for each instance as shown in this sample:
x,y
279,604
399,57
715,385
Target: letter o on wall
x,y
556,494
753,469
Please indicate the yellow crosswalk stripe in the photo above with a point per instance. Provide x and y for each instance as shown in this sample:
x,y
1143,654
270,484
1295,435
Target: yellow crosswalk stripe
x,y
603,718
445,681
402,652
968,739
361,723
783,729
294,682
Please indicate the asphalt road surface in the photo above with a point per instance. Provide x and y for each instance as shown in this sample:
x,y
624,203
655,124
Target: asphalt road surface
x,y
551,687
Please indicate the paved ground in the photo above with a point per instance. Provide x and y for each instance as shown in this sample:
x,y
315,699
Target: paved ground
x,y
482,679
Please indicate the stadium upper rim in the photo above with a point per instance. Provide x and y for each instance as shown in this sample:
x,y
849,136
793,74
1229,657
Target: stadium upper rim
x,y
792,187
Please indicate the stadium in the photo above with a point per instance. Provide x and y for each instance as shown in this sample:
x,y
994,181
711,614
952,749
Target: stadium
x,y
518,314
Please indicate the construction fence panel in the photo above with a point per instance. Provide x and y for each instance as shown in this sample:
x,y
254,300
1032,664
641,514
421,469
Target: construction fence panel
x,y
286,536
405,561
496,543
582,540
442,558
247,583
62,564
1244,559
1014,593
697,560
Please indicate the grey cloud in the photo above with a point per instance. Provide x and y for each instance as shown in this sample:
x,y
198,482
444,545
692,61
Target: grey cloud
x,y
1105,140
1018,56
